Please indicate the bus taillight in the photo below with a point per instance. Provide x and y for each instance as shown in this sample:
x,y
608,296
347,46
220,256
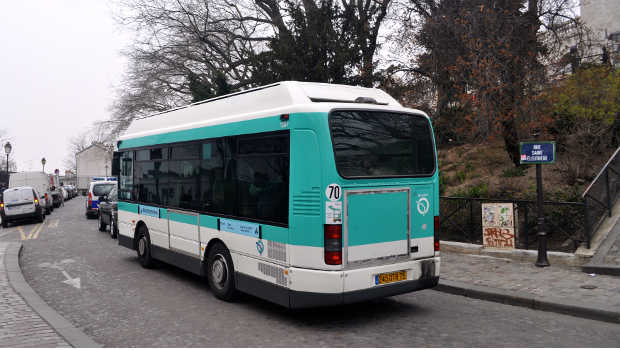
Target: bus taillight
x,y
436,233
333,244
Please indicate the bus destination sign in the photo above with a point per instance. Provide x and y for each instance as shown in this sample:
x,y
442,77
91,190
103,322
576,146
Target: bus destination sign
x,y
538,152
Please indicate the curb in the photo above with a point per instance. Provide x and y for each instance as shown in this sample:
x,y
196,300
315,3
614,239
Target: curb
x,y
559,305
71,334
612,270
523,255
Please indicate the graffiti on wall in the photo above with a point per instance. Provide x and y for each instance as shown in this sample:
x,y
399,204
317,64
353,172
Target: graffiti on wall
x,y
498,225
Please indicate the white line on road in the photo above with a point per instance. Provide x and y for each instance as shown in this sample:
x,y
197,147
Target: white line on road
x,y
75,282
71,281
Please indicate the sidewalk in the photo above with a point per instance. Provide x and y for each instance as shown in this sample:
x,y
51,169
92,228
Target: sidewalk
x,y
20,325
25,319
557,288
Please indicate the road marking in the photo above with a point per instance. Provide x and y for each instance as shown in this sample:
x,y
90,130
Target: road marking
x,y
33,234
32,231
19,228
74,282
36,234
53,223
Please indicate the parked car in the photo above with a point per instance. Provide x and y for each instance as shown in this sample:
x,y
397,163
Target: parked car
x,y
108,213
21,203
70,191
97,189
73,191
65,194
37,180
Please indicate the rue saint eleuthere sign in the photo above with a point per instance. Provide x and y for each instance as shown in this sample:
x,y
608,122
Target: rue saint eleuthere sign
x,y
537,152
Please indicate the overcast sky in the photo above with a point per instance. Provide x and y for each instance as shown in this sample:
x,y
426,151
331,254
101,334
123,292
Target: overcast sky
x,y
59,65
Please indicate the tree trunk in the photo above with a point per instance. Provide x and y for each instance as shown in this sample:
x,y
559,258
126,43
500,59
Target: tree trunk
x,y
511,141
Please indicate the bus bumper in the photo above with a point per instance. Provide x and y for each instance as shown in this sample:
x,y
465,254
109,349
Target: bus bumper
x,y
312,288
299,300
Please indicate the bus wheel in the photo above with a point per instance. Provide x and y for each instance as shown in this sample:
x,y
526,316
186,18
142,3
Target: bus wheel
x,y
143,247
221,273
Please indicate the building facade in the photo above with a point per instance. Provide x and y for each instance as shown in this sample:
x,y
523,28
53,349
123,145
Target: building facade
x,y
94,161
602,17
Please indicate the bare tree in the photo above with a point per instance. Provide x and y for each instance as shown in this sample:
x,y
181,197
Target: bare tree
x,y
100,132
487,60
188,50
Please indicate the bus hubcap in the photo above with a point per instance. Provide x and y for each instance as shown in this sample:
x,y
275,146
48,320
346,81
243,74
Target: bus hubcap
x,y
219,270
141,246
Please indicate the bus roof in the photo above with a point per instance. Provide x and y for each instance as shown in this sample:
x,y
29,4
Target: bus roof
x,y
270,100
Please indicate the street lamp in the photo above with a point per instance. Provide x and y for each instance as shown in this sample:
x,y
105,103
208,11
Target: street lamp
x,y
7,150
43,163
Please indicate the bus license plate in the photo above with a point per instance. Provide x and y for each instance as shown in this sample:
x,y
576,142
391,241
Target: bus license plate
x,y
390,277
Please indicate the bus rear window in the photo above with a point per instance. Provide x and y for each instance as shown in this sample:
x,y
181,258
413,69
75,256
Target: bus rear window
x,y
381,144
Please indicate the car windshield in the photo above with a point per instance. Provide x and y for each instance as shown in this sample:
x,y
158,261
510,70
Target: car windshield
x,y
102,189
381,144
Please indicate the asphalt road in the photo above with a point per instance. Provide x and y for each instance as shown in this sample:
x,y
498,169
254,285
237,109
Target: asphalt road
x,y
120,304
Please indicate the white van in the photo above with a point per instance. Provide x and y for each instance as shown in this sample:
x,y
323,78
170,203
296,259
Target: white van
x,y
37,180
20,203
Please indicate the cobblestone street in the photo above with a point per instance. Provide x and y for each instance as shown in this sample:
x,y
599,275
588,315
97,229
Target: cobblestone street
x,y
120,304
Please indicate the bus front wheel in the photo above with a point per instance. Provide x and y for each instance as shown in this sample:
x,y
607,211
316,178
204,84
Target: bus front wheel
x,y
143,247
221,273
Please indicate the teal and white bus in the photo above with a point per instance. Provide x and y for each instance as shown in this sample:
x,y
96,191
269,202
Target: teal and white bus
x,y
304,194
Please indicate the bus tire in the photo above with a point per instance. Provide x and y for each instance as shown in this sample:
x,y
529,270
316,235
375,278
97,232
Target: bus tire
x,y
143,247
221,273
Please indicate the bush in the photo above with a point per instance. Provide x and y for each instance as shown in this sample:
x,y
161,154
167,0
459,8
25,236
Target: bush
x,y
585,109
514,172
478,191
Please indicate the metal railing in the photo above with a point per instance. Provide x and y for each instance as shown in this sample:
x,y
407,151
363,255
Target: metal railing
x,y
601,195
566,222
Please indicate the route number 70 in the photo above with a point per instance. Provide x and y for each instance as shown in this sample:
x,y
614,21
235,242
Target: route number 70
x,y
333,192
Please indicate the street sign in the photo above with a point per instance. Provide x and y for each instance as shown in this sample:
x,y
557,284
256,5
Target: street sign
x,y
537,152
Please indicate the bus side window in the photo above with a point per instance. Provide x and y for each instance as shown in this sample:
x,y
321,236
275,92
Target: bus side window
x,y
262,177
126,176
